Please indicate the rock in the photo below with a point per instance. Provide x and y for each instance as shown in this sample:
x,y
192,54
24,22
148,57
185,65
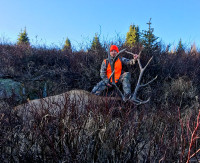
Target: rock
x,y
9,88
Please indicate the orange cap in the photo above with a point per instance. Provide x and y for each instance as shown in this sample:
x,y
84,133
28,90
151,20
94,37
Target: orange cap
x,y
114,47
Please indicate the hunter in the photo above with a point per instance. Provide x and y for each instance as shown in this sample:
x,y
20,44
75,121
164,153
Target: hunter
x,y
120,75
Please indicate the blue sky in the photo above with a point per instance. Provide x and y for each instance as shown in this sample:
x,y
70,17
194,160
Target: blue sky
x,y
52,21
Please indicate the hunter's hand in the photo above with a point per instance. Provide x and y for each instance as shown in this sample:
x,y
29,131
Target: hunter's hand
x,y
136,57
109,85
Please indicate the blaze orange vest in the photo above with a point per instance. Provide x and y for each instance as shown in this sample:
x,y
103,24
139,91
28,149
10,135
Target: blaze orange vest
x,y
118,70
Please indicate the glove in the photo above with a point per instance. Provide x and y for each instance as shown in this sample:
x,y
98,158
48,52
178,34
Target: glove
x,y
132,61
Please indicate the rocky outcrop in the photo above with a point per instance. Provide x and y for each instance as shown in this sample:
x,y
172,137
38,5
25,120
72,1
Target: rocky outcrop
x,y
10,88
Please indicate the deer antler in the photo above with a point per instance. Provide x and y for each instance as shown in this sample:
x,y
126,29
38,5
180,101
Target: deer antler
x,y
142,69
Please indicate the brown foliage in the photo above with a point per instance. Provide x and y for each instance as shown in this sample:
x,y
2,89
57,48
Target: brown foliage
x,y
154,132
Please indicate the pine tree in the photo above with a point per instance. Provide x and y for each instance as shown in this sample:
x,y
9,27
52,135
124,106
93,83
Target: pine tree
x,y
132,36
180,48
96,45
137,38
150,40
67,45
23,38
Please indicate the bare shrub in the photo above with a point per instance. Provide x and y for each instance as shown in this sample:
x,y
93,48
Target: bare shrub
x,y
107,132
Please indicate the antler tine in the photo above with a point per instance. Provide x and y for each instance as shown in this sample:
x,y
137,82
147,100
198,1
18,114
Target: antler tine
x,y
112,65
134,95
111,75
133,53
121,94
138,59
140,52
143,85
139,102
120,52
148,63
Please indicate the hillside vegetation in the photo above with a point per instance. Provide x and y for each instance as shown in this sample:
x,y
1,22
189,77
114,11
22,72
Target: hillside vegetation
x,y
166,129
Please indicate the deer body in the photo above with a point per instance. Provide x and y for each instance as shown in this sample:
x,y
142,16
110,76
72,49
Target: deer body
x,y
55,105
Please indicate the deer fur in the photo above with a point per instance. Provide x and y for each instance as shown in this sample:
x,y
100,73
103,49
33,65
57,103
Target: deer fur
x,y
54,105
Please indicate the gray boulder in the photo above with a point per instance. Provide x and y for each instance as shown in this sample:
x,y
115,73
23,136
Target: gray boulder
x,y
9,88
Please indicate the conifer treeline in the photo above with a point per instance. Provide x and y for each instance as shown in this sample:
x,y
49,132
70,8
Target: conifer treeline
x,y
133,37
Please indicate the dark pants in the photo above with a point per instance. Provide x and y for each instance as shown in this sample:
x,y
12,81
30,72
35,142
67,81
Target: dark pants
x,y
124,80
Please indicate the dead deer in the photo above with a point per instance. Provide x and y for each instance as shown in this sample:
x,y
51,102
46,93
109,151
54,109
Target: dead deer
x,y
74,100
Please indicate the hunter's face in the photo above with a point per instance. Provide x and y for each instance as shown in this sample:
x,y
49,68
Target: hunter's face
x,y
113,53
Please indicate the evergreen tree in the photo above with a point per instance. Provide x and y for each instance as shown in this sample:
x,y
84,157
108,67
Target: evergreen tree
x,y
23,38
150,40
180,48
137,38
96,45
132,36
67,45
